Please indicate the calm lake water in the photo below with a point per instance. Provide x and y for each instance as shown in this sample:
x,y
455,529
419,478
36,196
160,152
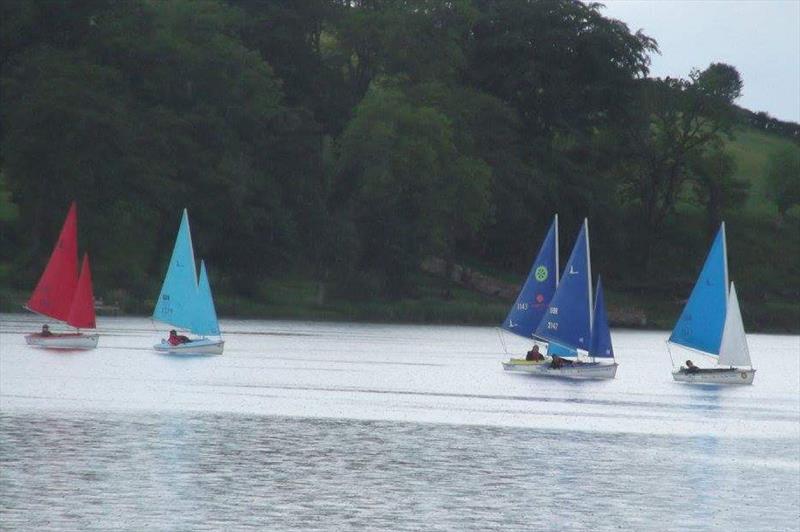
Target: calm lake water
x,y
329,426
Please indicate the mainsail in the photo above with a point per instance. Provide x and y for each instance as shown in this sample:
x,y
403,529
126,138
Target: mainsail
x,y
568,319
81,312
52,296
176,301
601,335
701,322
536,293
733,349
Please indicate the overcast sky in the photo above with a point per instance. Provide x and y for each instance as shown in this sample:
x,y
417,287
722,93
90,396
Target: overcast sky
x,y
761,38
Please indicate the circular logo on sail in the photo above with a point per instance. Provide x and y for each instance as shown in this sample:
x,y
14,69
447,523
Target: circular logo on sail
x,y
541,273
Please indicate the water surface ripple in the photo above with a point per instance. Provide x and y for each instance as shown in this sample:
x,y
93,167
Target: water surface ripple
x,y
325,426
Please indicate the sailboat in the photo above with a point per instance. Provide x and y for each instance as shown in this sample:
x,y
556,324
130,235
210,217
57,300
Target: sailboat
x,y
574,326
711,325
533,298
186,302
64,294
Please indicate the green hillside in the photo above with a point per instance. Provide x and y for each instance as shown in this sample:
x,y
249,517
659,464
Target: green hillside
x,y
752,150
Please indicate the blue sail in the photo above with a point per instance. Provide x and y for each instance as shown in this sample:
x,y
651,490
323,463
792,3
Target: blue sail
x,y
176,301
601,335
536,293
205,315
568,318
703,318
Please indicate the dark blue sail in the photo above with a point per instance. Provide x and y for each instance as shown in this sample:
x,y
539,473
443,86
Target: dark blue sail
x,y
703,317
568,318
536,293
601,335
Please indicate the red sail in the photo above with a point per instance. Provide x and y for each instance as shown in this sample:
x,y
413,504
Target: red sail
x,y
53,295
81,314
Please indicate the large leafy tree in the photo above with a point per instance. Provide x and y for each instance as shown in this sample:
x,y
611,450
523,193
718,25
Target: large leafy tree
x,y
677,123
406,184
561,64
162,102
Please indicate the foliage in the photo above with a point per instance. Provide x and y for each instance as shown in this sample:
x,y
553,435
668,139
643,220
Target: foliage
x,y
342,142
407,184
679,120
783,179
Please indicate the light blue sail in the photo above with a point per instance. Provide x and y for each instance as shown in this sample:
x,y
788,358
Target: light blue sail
x,y
176,302
536,293
703,318
568,318
205,321
601,335
554,349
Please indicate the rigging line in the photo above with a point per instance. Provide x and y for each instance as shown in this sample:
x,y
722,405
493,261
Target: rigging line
x,y
502,340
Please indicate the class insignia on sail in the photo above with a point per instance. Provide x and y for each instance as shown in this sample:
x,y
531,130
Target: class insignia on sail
x,y
572,325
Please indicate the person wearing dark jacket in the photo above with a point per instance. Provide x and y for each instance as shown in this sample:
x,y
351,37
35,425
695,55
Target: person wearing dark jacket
x,y
534,354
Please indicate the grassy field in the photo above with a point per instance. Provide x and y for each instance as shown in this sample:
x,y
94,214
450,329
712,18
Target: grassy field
x,y
752,150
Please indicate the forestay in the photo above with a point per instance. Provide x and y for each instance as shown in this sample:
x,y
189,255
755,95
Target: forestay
x,y
536,293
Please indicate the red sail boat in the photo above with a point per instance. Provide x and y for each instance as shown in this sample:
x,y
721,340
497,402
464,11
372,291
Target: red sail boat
x,y
65,295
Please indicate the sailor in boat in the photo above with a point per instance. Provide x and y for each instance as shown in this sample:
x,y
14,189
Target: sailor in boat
x,y
534,354
690,367
45,331
177,339
559,362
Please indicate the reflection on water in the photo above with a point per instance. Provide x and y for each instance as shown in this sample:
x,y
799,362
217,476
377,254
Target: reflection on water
x,y
201,471
345,426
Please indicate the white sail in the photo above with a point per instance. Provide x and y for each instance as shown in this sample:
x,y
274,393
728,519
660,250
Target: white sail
x,y
733,350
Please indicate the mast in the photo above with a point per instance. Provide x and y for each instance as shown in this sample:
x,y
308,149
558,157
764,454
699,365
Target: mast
x,y
589,274
558,265
725,262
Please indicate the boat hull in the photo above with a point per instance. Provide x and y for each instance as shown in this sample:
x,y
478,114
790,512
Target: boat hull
x,y
63,341
577,371
524,366
716,376
203,346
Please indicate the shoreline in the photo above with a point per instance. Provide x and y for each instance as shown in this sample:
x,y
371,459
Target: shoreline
x,y
355,320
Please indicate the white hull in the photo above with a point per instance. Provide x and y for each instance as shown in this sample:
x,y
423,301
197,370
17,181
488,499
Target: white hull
x,y
577,371
63,341
716,376
203,346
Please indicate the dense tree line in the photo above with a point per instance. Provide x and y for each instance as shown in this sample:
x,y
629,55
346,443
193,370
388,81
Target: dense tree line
x,y
350,139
